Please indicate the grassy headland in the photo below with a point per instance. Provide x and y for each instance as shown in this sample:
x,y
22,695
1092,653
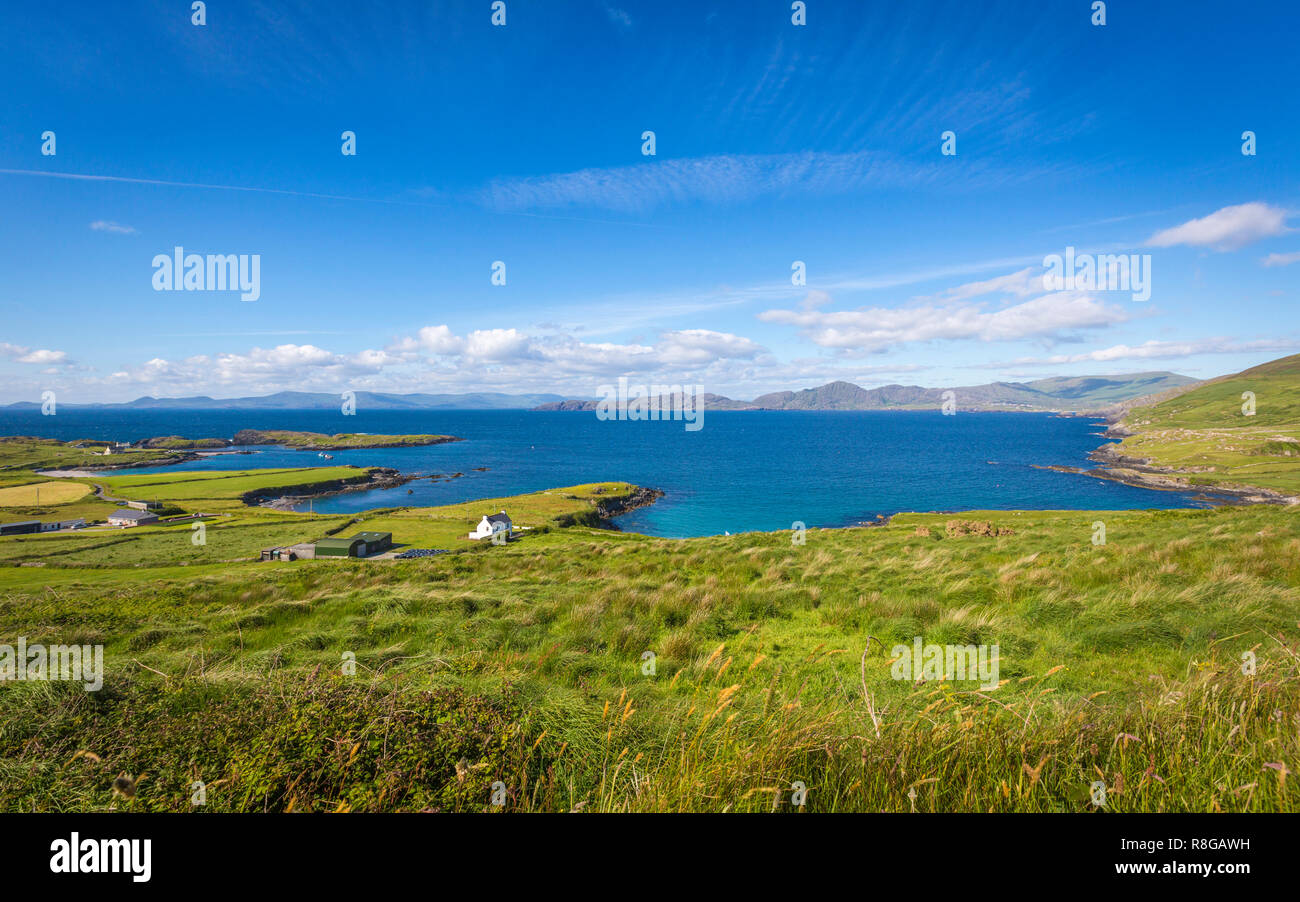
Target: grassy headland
x,y
318,441
1236,431
26,454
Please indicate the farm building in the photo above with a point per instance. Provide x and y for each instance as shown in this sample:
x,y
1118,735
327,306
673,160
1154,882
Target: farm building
x,y
131,518
492,523
279,554
56,525
304,551
360,545
337,547
20,528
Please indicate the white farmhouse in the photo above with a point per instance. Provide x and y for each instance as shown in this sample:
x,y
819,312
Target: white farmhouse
x,y
493,523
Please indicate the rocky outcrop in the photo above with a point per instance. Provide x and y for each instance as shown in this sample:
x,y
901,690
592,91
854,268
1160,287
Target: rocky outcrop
x,y
958,528
1140,474
640,496
603,510
290,496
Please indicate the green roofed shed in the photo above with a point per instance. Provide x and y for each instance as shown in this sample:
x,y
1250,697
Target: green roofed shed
x,y
338,547
376,542
360,545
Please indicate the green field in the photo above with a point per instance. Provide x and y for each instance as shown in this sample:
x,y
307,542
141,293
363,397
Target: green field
x,y
223,489
28,454
35,493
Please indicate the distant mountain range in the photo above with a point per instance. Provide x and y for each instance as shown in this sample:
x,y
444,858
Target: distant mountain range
x,y
1078,394
297,400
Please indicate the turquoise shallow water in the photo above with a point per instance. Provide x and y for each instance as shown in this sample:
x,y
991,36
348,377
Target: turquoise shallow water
x,y
743,471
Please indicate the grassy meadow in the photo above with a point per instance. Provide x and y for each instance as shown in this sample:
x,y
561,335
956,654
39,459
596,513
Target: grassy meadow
x,y
524,664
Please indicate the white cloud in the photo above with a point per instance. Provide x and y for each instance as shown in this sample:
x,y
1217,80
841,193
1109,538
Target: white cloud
x,y
282,367
1160,350
497,345
27,355
696,347
44,357
1282,259
435,339
1023,284
103,225
435,359
1227,229
1052,316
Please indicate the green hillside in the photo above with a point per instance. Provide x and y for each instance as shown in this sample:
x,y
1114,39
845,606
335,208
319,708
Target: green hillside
x,y
1208,437
1218,402
525,663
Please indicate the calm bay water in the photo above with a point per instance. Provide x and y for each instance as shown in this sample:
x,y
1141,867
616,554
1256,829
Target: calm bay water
x,y
743,471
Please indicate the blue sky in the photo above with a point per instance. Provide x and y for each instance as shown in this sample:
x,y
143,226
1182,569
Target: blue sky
x,y
775,143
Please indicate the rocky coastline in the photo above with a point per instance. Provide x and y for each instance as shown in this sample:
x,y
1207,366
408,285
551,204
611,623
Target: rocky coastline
x,y
1142,472
609,508
287,498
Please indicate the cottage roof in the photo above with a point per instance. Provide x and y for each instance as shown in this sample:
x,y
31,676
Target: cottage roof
x,y
132,514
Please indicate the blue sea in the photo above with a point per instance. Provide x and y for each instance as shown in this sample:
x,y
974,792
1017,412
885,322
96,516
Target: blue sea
x,y
745,470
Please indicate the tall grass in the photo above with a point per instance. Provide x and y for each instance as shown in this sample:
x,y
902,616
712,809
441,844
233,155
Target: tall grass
x,y
1121,664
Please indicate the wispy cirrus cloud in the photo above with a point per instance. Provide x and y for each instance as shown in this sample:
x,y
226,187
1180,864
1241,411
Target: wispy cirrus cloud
x,y
1023,283
619,17
116,228
1227,229
729,178
1282,259
1159,350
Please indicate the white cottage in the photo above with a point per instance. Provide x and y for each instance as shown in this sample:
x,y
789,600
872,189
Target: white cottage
x,y
493,523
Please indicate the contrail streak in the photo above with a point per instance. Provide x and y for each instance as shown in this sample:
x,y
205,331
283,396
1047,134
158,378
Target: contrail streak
x,y
75,176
